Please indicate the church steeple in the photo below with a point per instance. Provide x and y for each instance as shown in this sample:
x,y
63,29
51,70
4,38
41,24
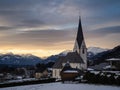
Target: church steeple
x,y
79,34
80,46
79,38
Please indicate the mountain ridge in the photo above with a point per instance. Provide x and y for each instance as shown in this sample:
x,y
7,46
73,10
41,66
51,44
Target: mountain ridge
x,y
101,57
30,60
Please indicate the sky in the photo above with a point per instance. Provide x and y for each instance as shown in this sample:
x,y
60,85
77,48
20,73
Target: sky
x,y
47,27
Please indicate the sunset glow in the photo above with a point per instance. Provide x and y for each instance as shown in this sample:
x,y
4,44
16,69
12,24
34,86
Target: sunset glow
x,y
48,27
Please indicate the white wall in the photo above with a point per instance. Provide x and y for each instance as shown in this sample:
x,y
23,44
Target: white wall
x,y
76,47
80,51
83,55
56,73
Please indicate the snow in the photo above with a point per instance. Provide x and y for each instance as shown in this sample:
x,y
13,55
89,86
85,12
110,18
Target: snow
x,y
6,57
70,71
90,69
60,86
95,72
114,72
107,67
113,59
19,80
19,77
18,57
108,75
96,50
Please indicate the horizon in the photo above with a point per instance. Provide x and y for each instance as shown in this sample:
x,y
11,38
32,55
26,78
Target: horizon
x,y
45,27
21,53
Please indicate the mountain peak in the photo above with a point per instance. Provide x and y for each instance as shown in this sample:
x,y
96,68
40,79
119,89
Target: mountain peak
x,y
96,50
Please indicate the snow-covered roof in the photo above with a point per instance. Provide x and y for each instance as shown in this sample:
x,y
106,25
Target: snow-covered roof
x,y
95,72
70,71
90,69
113,59
107,67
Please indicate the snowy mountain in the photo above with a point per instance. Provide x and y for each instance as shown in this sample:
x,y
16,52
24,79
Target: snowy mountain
x,y
14,60
92,51
10,59
96,50
101,57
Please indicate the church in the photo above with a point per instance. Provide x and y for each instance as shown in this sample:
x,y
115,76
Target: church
x,y
76,59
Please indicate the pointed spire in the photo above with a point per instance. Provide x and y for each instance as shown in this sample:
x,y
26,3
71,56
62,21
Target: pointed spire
x,y
79,33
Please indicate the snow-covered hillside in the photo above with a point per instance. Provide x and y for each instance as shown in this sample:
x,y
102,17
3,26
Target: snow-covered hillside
x,y
60,86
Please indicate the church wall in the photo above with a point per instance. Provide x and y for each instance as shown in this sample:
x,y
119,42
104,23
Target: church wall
x,y
83,55
76,47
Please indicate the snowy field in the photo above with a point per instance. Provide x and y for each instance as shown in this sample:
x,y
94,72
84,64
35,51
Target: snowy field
x,y
60,86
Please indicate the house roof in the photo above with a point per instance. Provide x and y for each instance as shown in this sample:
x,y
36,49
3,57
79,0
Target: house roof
x,y
72,57
113,59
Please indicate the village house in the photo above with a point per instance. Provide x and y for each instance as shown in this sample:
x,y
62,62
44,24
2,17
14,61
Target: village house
x,y
114,64
41,74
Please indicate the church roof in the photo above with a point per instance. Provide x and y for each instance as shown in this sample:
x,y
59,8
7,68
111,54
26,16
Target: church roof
x,y
72,57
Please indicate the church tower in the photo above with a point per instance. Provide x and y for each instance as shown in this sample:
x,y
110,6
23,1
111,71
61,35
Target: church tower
x,y
80,46
77,58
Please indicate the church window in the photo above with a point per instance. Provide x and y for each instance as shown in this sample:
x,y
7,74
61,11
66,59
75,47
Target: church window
x,y
83,51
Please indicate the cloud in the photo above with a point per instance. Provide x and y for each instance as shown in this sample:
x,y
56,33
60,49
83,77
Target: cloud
x,y
40,37
103,32
5,28
109,30
53,23
59,12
